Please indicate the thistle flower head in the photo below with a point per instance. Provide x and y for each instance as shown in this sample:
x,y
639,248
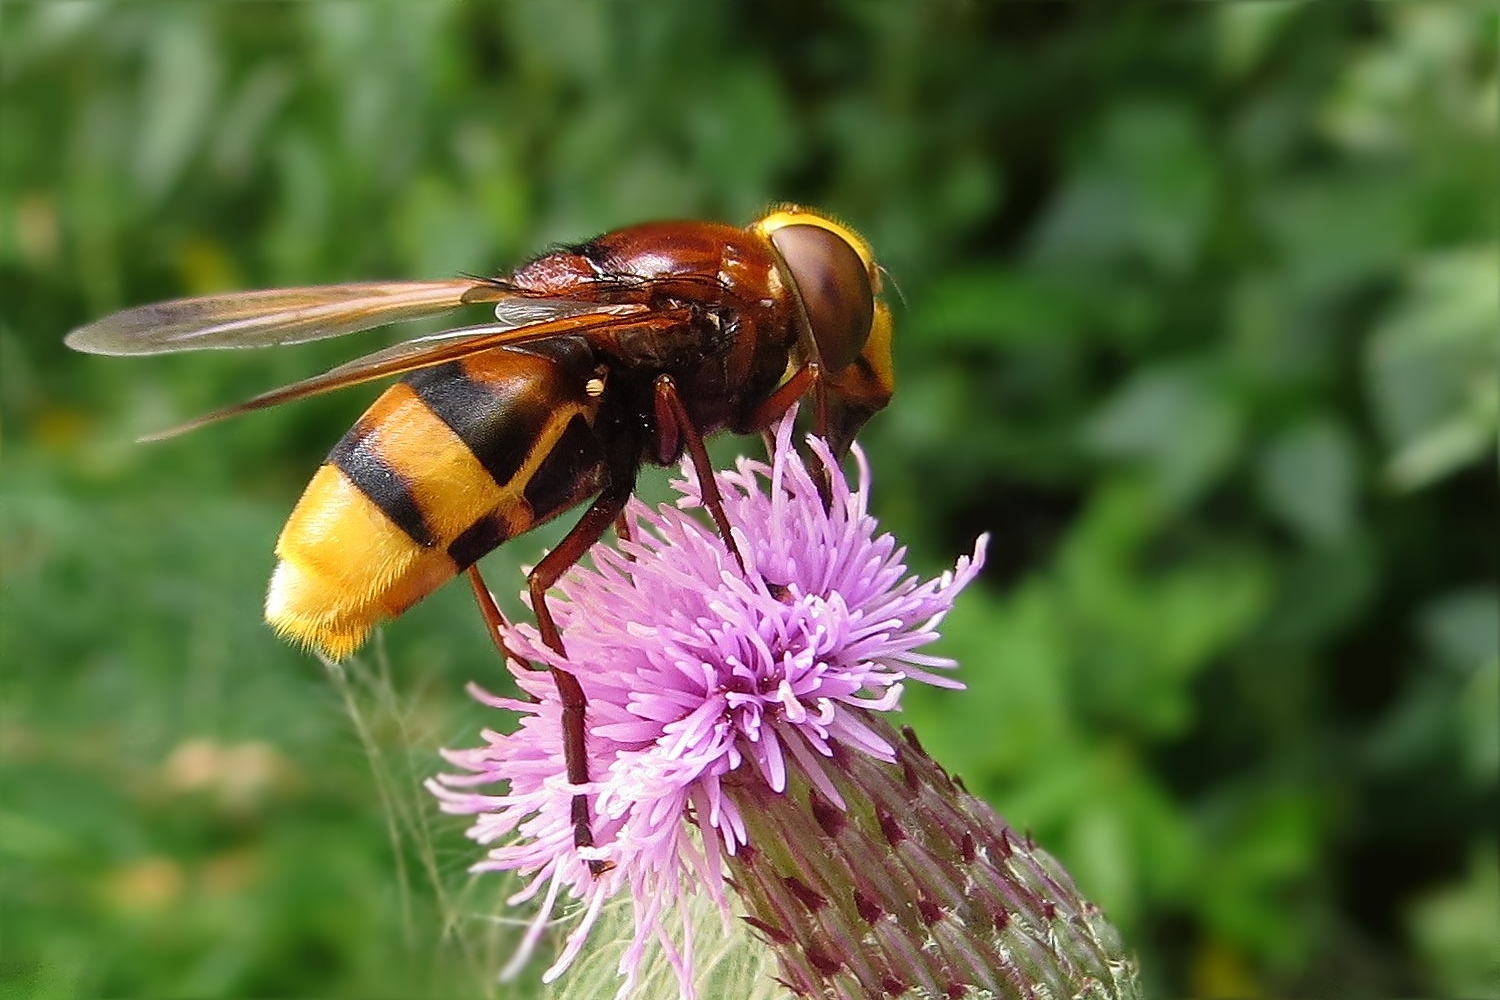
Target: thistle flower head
x,y
707,687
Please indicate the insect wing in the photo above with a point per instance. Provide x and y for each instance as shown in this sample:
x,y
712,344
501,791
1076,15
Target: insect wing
x,y
424,352
274,316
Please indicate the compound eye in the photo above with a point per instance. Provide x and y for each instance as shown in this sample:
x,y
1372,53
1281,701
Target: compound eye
x,y
835,289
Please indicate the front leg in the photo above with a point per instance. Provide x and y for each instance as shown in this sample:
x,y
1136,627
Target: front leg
x,y
808,378
675,429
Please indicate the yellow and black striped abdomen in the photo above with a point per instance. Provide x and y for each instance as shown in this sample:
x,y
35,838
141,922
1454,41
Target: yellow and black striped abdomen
x,y
447,464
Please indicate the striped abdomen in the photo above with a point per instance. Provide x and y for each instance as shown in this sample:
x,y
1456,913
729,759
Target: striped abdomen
x,y
447,464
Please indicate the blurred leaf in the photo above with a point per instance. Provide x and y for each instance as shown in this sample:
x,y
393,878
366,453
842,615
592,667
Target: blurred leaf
x,y
1137,633
1457,928
1267,853
1339,227
178,95
1146,189
294,240
1014,664
1131,842
1279,335
992,308
1424,74
1462,628
1320,591
439,231
1479,727
248,117
1246,32
1308,478
720,122
1176,420
1433,367
45,32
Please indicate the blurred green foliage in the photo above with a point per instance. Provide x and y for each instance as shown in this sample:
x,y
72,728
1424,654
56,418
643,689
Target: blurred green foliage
x,y
1200,323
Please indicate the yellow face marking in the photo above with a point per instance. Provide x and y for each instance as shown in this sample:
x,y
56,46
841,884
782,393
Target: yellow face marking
x,y
795,215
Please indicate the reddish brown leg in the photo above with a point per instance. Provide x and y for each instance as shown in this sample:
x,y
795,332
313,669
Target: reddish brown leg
x,y
672,415
493,619
622,532
807,378
589,529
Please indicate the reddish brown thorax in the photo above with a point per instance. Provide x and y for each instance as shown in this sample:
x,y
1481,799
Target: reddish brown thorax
x,y
744,326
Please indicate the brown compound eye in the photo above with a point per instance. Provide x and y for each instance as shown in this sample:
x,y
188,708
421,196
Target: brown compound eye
x,y
835,289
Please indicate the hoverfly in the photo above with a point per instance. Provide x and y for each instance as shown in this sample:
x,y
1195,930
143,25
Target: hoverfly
x,y
603,356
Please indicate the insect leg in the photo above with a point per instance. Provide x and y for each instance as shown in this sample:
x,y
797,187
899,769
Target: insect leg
x,y
808,377
589,529
494,621
670,412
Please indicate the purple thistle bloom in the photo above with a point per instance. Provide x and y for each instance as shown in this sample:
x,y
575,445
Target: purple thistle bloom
x,y
695,672
708,689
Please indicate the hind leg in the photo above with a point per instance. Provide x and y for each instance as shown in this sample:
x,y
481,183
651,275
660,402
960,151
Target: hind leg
x,y
589,529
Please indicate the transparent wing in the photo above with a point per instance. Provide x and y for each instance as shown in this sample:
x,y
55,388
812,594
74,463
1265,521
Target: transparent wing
x,y
515,321
294,315
439,348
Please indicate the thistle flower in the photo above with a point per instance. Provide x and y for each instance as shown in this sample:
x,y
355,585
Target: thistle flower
x,y
734,738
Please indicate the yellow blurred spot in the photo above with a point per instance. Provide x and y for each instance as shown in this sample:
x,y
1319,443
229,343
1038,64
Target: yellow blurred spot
x,y
149,884
18,742
36,229
241,776
193,765
229,873
59,429
1219,972
203,267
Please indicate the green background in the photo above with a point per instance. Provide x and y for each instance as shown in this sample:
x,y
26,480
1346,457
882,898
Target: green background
x,y
1200,323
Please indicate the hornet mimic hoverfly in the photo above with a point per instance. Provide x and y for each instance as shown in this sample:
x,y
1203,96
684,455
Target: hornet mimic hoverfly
x,y
601,357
